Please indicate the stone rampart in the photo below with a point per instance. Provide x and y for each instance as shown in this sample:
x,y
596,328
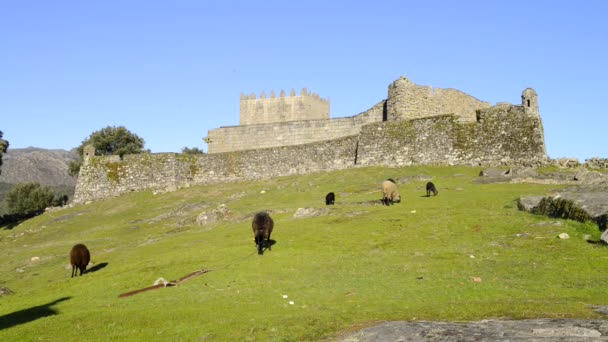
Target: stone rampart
x,y
304,119
108,176
247,137
500,135
415,125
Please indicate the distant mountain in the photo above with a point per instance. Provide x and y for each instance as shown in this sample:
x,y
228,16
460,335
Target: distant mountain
x,y
38,165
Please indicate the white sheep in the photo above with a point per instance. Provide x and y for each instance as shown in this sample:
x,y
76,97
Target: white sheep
x,y
390,193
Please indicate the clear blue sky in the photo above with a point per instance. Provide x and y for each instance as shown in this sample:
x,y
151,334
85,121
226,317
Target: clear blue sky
x,y
169,71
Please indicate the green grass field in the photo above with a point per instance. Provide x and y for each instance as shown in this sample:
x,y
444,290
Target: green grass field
x,y
466,254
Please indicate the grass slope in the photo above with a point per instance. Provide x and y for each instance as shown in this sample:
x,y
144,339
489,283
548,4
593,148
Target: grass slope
x,y
466,254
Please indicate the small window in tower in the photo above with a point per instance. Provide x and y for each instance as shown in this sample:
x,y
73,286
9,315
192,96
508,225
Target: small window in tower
x,y
528,103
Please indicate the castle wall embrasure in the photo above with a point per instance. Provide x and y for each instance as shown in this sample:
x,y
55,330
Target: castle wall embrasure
x,y
306,106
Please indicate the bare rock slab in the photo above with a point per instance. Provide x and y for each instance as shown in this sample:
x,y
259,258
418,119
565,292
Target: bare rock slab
x,y
486,330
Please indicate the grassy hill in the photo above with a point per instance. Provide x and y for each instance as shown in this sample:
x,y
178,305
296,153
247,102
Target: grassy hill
x,y
466,254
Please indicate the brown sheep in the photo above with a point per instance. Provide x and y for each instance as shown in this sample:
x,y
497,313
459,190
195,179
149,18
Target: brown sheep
x,y
79,258
390,193
262,227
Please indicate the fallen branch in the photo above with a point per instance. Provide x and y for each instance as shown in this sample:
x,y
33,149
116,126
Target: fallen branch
x,y
160,283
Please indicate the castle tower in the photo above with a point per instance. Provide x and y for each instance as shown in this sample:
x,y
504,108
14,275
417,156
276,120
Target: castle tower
x,y
88,152
262,110
396,103
529,100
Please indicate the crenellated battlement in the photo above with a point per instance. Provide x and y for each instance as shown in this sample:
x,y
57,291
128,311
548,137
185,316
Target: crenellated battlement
x,y
272,109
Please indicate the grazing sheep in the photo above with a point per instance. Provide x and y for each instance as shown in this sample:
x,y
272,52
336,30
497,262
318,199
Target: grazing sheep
x,y
330,198
79,258
390,193
430,187
262,227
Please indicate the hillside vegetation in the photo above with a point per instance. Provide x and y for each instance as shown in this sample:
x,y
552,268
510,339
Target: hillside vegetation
x,y
466,254
36,165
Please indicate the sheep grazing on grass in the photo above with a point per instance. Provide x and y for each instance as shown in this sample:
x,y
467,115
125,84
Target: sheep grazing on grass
x,y
79,258
262,227
390,193
430,187
330,198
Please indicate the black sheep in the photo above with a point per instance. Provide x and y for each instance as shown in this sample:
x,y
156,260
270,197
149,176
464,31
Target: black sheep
x,y
430,187
79,258
262,227
330,198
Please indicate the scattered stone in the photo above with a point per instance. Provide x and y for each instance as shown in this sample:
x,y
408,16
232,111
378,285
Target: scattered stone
x,y
528,203
495,173
19,270
564,236
597,163
589,177
548,223
5,291
34,259
567,162
309,212
604,236
217,214
525,172
601,309
476,279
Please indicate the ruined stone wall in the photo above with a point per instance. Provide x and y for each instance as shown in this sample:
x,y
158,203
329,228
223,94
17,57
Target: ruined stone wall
x,y
501,135
108,176
239,138
307,106
293,120
415,125
407,101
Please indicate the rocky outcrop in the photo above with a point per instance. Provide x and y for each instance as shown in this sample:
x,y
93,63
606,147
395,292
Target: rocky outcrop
x,y
582,203
486,330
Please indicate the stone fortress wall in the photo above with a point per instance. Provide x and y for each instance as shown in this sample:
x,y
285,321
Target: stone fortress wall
x,y
407,100
295,120
391,133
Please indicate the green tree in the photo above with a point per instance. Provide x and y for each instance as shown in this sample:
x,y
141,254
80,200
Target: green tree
x,y
110,140
3,149
194,150
29,199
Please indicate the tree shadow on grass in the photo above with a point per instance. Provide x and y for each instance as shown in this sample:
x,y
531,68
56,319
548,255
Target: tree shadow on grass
x,y
29,315
96,267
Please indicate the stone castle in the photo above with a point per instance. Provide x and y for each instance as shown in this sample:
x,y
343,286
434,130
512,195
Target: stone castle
x,y
285,135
